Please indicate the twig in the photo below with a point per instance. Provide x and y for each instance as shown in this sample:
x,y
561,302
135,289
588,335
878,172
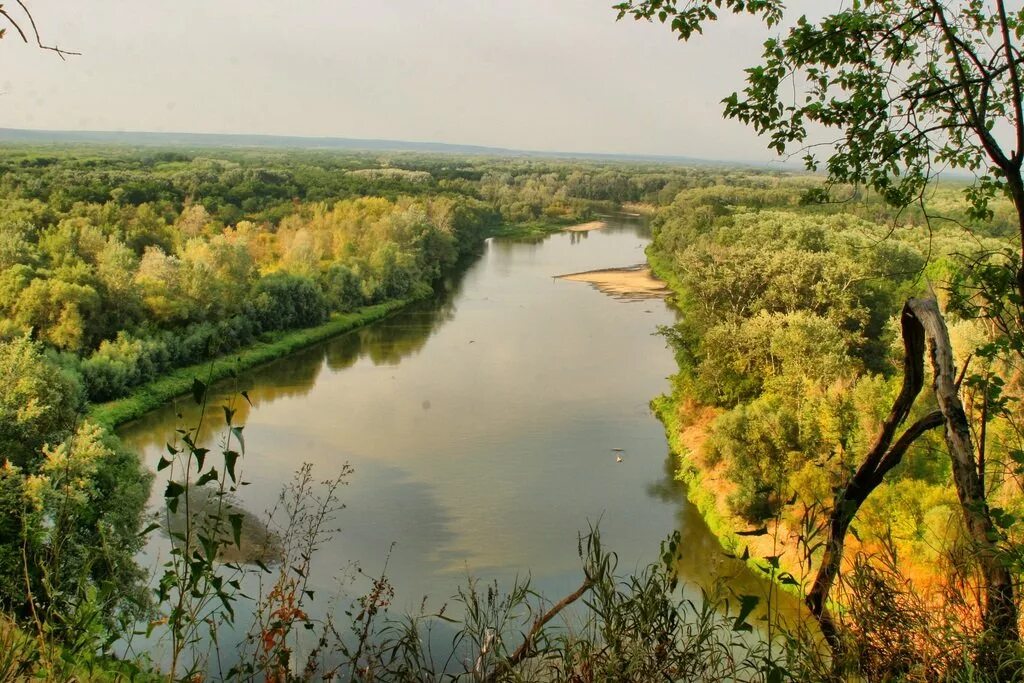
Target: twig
x,y
35,31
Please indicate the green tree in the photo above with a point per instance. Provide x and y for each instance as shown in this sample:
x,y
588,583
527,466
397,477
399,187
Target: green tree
x,y
39,404
909,86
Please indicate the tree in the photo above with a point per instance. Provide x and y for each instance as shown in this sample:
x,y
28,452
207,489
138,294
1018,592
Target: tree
x,y
40,402
910,87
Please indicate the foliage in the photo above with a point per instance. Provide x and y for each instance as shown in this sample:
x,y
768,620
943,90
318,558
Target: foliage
x,y
910,86
71,497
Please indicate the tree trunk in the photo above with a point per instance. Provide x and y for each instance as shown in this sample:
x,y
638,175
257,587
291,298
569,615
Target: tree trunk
x,y
1000,616
881,458
922,326
1015,183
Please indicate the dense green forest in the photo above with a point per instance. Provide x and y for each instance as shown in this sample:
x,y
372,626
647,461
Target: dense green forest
x,y
790,355
132,263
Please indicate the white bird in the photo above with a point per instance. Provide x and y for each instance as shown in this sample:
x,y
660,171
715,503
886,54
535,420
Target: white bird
x,y
618,458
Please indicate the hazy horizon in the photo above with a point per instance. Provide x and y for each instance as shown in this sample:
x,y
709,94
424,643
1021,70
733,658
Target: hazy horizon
x,y
529,76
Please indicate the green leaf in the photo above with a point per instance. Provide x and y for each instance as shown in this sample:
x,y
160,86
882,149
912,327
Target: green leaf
x,y
747,605
209,548
209,476
148,530
754,532
200,454
787,579
230,458
198,391
173,490
237,431
236,529
163,464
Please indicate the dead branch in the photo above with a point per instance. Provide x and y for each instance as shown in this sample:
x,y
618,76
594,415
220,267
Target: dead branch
x,y
525,650
35,31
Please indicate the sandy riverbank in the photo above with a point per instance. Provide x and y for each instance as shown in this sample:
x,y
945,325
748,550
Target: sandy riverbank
x,y
630,283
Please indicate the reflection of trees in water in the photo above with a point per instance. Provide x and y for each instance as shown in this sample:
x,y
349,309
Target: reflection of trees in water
x,y
291,376
637,225
504,251
405,333
703,562
399,336
167,424
384,342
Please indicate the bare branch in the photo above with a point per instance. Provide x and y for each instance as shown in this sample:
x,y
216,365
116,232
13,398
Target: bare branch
x,y
1018,154
525,650
35,31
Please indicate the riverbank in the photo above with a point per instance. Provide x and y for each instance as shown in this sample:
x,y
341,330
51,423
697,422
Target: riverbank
x,y
707,491
178,382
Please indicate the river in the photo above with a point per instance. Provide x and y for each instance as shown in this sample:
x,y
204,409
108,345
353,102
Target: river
x,y
481,428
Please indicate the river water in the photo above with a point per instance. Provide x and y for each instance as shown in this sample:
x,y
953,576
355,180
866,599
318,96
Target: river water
x,y
481,428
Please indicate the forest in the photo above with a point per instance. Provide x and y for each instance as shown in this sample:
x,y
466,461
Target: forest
x,y
129,264
790,358
126,268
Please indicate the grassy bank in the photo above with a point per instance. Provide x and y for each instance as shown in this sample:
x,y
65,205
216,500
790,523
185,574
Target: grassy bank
x,y
179,382
29,657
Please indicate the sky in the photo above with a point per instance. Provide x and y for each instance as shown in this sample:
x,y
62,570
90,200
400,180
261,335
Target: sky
x,y
548,75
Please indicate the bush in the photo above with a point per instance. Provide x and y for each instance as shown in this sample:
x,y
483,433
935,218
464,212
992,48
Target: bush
x,y
341,287
283,301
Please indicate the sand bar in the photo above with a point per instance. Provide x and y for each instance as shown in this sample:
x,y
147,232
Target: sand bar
x,y
630,283
586,227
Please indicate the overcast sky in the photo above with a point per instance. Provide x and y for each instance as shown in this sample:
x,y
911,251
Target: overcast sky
x,y
559,75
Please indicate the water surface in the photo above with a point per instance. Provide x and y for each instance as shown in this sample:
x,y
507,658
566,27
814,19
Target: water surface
x,y
481,427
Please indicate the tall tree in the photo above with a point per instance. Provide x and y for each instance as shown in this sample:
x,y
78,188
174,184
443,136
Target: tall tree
x,y
908,88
